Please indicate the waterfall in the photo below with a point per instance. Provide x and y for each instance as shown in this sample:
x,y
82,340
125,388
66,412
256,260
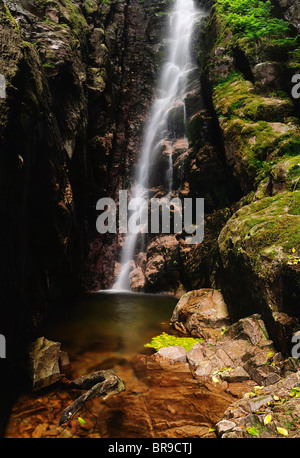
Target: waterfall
x,y
161,126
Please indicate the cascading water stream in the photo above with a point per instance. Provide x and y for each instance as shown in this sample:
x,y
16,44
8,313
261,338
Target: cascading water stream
x,y
171,93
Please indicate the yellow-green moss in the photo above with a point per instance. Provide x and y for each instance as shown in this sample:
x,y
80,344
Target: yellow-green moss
x,y
237,97
7,14
90,6
287,171
77,20
255,126
168,340
267,230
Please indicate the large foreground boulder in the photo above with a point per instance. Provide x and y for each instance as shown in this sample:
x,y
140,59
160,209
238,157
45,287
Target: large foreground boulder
x,y
201,313
259,263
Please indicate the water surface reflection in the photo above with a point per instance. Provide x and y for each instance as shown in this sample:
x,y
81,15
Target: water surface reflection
x,y
113,321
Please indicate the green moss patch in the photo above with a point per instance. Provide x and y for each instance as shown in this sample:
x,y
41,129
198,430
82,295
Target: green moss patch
x,y
267,230
75,18
236,98
252,18
167,340
255,126
5,14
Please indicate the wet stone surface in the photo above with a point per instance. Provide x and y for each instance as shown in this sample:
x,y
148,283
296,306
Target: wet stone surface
x,y
161,400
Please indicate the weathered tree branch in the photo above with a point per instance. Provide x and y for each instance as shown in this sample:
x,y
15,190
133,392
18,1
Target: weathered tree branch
x,y
110,384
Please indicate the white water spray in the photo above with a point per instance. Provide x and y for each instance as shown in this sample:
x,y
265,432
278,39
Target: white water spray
x,y
171,93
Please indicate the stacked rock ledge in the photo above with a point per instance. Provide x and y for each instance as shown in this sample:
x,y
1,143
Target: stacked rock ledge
x,y
237,358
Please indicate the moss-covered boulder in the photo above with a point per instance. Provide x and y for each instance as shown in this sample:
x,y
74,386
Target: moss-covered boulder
x,y
256,129
260,259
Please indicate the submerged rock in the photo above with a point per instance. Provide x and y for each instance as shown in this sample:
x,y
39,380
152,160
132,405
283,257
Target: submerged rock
x,y
177,404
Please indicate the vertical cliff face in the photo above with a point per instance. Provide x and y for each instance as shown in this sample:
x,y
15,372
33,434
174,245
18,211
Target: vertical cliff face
x,y
248,70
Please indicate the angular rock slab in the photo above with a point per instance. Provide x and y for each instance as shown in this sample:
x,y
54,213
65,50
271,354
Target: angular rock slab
x,y
175,354
251,328
241,353
44,357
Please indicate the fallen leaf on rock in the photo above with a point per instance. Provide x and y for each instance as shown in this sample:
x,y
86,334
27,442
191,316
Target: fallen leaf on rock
x,y
282,431
252,431
267,419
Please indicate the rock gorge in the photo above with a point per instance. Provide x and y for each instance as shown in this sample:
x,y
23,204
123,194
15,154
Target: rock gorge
x,y
80,78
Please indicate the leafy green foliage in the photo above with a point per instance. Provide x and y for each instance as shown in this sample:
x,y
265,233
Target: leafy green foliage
x,y
252,18
167,340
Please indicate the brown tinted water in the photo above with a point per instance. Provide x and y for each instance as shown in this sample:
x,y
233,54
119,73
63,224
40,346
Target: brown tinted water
x,y
108,331
109,321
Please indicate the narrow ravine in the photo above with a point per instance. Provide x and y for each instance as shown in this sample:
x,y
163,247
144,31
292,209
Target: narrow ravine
x,y
164,99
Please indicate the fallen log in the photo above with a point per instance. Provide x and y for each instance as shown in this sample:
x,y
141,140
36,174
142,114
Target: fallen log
x,y
85,382
111,385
